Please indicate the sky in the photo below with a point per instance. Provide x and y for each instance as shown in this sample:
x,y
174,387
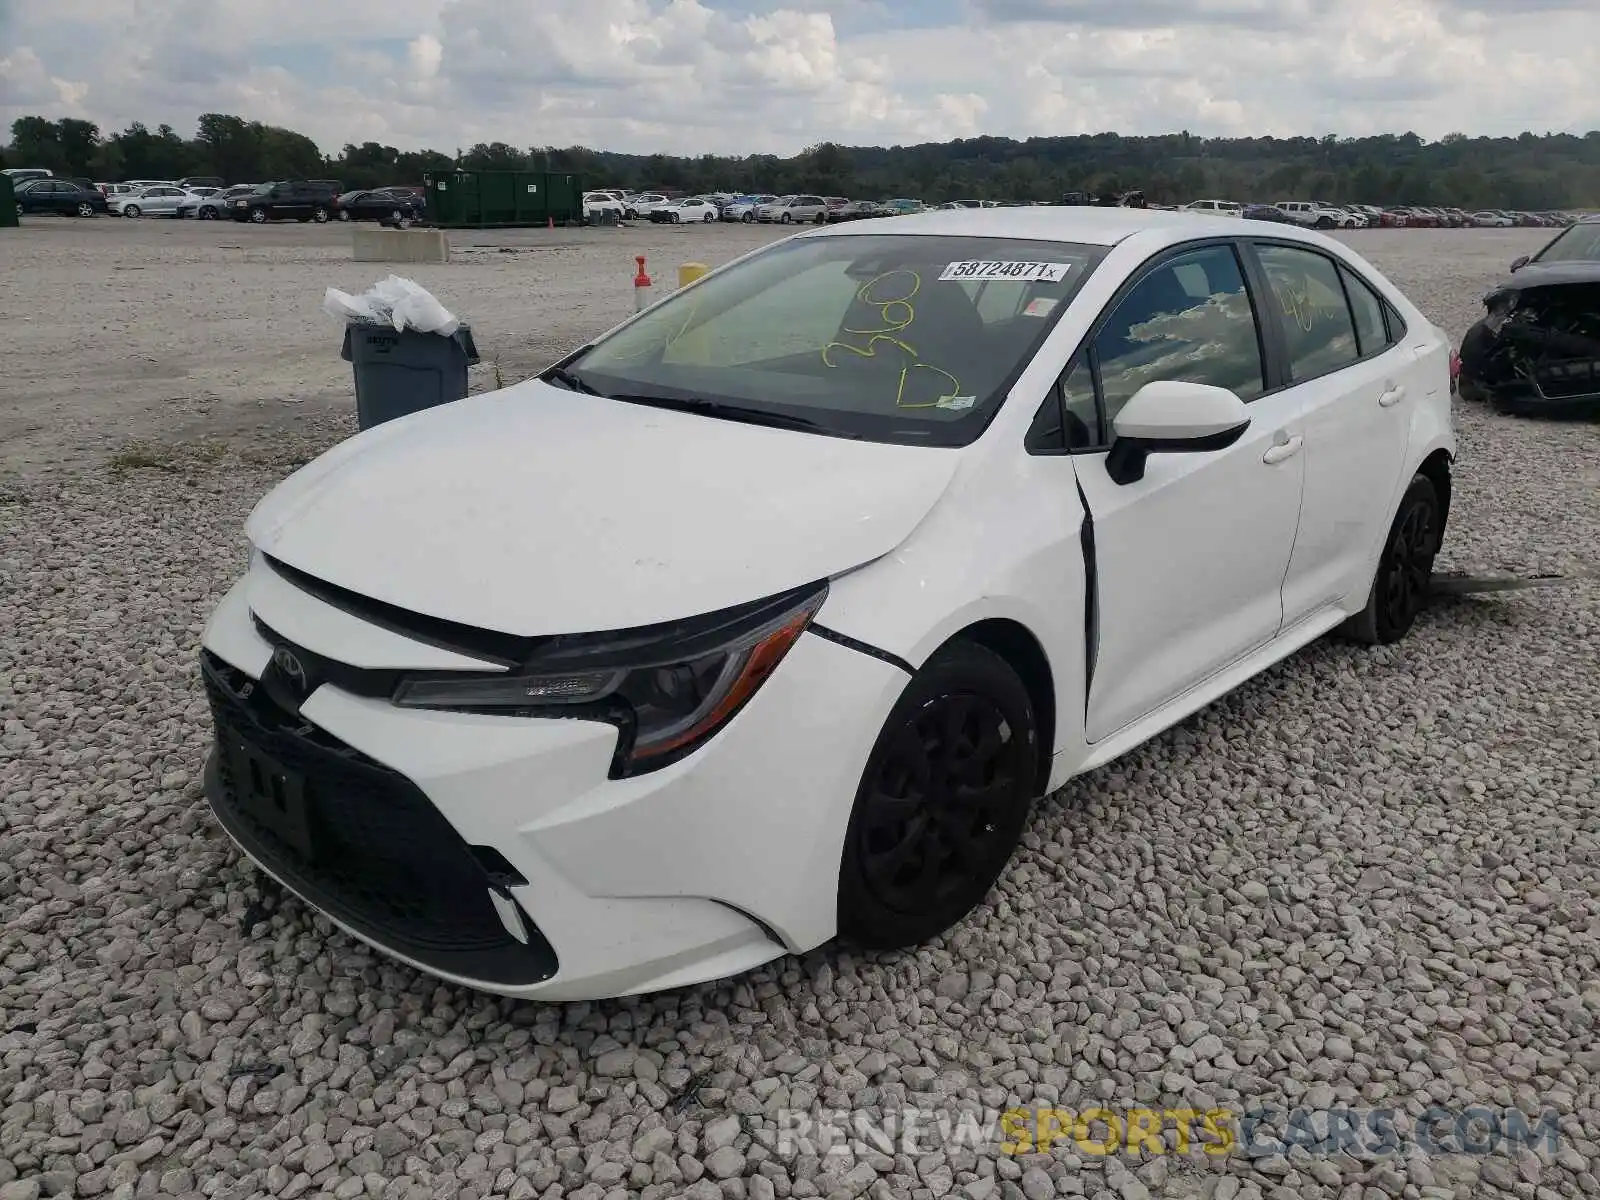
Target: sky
x,y
773,76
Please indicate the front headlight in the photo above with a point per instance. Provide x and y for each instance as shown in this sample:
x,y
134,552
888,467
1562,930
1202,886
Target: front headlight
x,y
667,688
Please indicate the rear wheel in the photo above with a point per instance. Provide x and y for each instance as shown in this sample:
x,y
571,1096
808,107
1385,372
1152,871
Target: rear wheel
x,y
86,209
709,217
344,214
1405,569
1324,222
942,802
401,221
320,215
130,210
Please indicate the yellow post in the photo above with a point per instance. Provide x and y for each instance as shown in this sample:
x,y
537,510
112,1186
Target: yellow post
x,y
689,272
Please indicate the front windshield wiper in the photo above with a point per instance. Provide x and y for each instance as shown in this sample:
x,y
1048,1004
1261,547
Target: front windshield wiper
x,y
569,379
733,412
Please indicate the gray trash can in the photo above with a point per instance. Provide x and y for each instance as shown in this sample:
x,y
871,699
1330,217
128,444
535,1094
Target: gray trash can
x,y
405,372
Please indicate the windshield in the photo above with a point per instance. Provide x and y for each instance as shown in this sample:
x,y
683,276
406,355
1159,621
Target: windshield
x,y
1579,243
890,337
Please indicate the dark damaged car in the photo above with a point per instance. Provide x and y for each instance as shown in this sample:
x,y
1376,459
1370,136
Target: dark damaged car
x,y
1537,349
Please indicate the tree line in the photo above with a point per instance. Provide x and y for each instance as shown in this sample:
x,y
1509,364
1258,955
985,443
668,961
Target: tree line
x,y
1530,171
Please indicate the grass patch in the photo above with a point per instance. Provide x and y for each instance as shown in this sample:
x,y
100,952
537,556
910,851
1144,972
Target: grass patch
x,y
141,456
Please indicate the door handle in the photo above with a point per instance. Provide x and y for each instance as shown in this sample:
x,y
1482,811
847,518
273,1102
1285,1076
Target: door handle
x,y
1393,396
1280,451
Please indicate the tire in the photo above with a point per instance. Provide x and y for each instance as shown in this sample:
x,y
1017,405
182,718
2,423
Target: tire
x,y
1325,222
1405,569
207,213
86,209
258,216
898,821
401,221
21,212
320,215
130,210
344,214
784,219
709,217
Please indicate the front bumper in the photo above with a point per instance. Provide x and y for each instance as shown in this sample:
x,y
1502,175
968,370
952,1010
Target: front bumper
x,y
697,871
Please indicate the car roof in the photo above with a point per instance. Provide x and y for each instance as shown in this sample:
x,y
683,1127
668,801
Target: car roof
x,y
1064,223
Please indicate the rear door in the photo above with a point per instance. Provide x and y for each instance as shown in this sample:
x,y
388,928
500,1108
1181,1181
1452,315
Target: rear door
x,y
1354,377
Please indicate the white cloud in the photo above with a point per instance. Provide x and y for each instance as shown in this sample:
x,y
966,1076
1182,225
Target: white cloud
x,y
749,76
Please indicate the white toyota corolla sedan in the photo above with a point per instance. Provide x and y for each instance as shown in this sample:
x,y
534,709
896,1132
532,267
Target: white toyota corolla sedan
x,y
768,615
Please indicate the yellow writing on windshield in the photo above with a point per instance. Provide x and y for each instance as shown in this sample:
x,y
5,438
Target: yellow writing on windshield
x,y
891,294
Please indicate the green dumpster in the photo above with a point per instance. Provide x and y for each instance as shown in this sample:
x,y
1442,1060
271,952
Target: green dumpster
x,y
8,204
503,199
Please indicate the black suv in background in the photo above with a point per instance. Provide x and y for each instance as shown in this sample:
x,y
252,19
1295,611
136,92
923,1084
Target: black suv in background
x,y
297,199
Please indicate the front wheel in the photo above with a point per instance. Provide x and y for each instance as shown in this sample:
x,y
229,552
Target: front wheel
x,y
784,219
942,803
207,213
259,216
344,214
130,210
1405,569
21,212
749,218
401,221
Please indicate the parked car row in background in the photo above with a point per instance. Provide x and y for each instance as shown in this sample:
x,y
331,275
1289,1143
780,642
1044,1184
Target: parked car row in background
x,y
321,200
208,199
809,209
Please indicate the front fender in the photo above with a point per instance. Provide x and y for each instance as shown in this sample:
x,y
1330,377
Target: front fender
x,y
1001,545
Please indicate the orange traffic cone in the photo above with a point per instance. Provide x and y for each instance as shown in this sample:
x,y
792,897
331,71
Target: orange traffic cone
x,y
641,286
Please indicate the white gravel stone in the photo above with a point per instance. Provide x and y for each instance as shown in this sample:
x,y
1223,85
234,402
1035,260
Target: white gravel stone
x,y
1366,878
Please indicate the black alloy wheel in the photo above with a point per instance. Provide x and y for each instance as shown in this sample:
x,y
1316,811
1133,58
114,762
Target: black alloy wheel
x,y
942,803
1401,587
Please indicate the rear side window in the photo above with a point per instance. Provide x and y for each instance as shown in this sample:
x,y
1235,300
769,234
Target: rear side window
x,y
1372,333
1311,308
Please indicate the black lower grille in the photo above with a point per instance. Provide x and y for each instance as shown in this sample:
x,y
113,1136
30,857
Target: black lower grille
x,y
356,839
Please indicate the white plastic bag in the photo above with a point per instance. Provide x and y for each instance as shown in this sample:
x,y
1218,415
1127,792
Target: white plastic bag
x,y
403,303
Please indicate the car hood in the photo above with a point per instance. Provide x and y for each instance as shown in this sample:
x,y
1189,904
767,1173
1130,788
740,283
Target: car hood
x,y
1554,274
534,510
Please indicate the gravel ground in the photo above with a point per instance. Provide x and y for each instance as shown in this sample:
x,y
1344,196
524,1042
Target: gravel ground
x,y
1367,879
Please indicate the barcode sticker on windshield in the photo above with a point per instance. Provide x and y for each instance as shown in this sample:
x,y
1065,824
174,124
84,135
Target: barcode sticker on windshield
x,y
1017,272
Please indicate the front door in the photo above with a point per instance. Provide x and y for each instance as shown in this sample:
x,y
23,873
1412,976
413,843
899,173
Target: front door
x,y
1190,559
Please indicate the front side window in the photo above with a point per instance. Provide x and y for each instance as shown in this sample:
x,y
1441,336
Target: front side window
x,y
893,337
1316,321
1189,319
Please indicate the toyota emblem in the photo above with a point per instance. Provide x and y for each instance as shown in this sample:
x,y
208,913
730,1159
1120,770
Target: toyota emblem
x,y
284,659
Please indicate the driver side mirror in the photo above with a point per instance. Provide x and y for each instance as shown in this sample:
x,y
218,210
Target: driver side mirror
x,y
1172,417
1518,263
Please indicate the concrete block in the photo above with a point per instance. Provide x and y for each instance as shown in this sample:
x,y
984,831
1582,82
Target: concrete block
x,y
377,244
